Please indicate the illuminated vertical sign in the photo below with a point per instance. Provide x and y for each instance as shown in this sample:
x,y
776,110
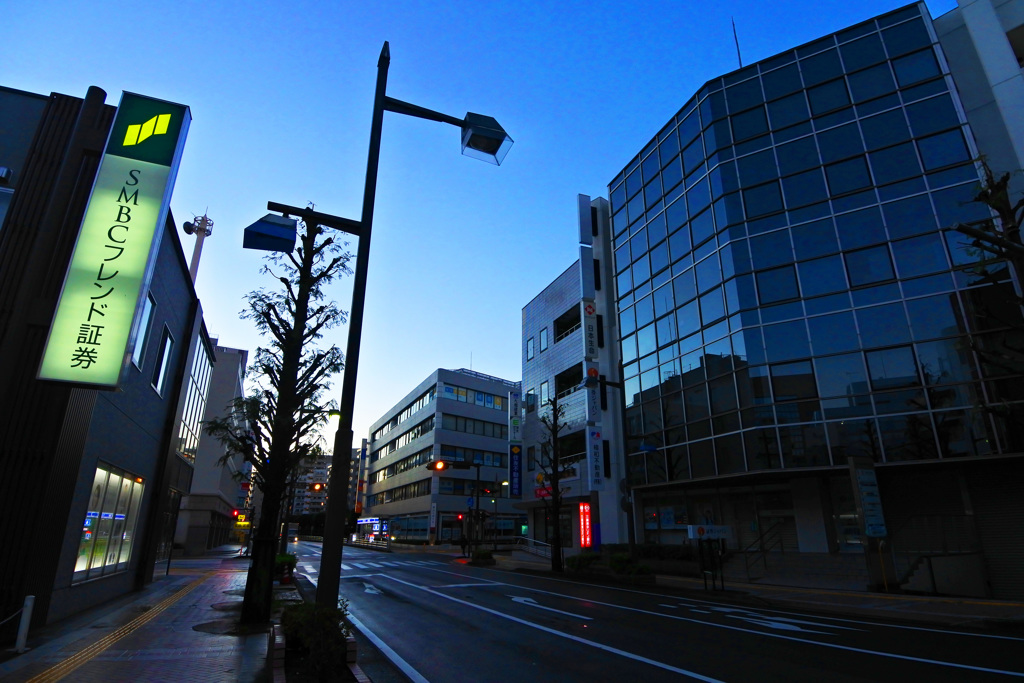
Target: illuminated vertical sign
x,y
108,277
586,532
515,445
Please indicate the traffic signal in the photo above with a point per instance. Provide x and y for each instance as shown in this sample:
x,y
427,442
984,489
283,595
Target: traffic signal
x,y
317,487
234,513
441,465
460,516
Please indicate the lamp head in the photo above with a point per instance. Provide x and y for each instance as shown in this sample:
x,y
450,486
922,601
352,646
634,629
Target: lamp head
x,y
483,138
271,233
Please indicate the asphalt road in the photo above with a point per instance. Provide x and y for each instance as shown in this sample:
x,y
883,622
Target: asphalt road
x,y
438,620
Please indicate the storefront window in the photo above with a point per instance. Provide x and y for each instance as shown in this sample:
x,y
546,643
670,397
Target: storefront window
x,y
108,529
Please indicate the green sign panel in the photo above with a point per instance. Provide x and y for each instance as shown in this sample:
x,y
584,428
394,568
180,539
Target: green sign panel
x,y
113,260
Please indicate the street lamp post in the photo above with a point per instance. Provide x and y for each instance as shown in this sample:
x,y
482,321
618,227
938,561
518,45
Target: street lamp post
x,y
482,138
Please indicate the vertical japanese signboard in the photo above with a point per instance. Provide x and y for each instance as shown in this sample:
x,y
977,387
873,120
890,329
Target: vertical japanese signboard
x,y
97,314
515,445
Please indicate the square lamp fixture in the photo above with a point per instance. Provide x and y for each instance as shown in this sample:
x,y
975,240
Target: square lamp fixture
x,y
483,138
271,233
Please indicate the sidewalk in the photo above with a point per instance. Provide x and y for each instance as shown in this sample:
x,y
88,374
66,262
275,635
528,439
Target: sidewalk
x,y
176,629
939,611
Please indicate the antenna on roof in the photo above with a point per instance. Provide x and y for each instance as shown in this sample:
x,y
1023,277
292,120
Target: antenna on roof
x,y
737,41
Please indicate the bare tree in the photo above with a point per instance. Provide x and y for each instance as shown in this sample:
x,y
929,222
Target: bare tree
x,y
554,466
275,427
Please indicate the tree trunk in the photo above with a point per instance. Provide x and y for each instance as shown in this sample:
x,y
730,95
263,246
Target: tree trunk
x,y
259,583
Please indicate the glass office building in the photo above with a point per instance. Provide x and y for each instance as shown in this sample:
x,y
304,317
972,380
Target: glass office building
x,y
790,296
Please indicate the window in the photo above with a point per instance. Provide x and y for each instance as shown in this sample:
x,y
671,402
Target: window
x,y
529,349
143,332
108,528
163,361
5,202
544,339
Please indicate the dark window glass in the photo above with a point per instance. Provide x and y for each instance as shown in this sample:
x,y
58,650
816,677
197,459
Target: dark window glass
x,y
652,193
788,110
641,271
744,96
786,341
899,15
868,266
863,52
622,257
829,96
926,89
709,273
920,256
712,107
656,229
666,330
871,83
816,46
693,157
821,67
679,244
728,210
702,226
698,197
717,136
860,228
777,285
855,32
946,361
877,105
804,188
956,205
688,318
659,257
934,316
635,208
684,286
781,82
669,146
929,116
749,124
952,176
624,281
663,301
885,129
847,176
791,133
627,322
638,243
672,173
883,325
712,307
841,375
651,166
757,168
675,216
739,293
944,149
808,213
723,179
916,67
791,381
834,119
840,143
798,155
644,311
689,128
771,250
634,182
763,200
618,197
904,38
909,217
892,368
822,276
833,333
815,239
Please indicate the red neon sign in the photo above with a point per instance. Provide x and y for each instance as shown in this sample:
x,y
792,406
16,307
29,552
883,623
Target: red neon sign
x,y
586,538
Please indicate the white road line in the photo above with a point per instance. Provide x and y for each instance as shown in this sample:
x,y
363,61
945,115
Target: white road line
x,y
582,641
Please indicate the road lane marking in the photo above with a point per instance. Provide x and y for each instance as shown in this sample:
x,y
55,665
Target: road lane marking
x,y
533,603
767,634
555,632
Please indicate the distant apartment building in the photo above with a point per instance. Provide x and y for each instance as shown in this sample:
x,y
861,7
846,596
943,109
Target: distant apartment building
x,y
569,335
459,416
206,519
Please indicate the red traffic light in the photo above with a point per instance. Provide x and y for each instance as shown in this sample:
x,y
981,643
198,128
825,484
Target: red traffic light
x,y
235,513
460,516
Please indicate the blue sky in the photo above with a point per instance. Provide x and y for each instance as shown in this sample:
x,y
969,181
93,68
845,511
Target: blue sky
x,y
281,96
